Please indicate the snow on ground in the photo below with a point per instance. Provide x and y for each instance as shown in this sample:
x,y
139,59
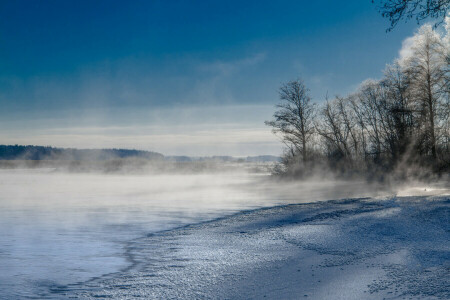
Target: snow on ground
x,y
365,248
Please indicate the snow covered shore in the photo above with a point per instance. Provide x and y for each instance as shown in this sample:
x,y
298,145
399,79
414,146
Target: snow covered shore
x,y
396,248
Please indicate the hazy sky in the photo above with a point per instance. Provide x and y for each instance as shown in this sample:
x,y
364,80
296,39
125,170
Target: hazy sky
x,y
177,77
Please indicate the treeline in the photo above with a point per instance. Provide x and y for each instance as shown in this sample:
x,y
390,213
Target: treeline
x,y
227,159
396,125
40,153
18,152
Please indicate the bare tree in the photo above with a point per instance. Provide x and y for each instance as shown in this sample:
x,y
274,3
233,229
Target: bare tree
x,y
396,10
294,117
426,73
370,101
335,127
398,109
361,127
400,120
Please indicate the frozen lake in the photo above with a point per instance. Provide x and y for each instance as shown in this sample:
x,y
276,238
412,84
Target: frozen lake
x,y
62,228
59,228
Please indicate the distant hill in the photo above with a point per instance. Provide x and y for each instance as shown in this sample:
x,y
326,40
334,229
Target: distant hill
x,y
260,158
263,158
18,152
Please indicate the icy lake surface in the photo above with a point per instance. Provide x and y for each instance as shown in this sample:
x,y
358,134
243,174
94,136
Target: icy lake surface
x,y
59,229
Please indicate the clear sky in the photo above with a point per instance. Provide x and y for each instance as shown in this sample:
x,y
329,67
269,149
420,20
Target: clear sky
x,y
177,77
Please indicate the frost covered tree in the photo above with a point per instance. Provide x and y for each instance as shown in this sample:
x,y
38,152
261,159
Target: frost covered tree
x,y
426,69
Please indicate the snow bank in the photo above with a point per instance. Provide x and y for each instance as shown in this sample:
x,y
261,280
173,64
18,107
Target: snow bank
x,y
365,248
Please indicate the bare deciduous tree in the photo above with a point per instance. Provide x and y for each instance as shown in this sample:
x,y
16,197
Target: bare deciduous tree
x,y
401,120
400,110
294,117
335,128
426,73
396,10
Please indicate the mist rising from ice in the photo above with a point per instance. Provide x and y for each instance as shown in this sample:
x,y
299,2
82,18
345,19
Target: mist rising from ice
x,y
59,227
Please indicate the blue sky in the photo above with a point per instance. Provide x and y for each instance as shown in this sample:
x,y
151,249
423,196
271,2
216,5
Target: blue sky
x,y
179,77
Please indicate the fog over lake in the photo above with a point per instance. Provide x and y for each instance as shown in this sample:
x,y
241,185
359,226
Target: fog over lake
x,y
60,228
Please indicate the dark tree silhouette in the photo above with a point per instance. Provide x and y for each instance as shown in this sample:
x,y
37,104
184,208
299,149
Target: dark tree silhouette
x,y
294,117
396,10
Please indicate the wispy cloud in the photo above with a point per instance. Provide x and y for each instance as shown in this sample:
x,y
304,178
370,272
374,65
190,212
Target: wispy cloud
x,y
227,68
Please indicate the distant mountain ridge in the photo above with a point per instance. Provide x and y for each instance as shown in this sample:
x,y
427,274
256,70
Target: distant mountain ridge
x,y
30,152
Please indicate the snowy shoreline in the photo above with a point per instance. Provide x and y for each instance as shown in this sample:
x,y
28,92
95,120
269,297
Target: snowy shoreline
x,y
342,249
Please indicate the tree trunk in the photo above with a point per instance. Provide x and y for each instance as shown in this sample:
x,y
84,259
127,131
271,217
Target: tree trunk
x,y
430,107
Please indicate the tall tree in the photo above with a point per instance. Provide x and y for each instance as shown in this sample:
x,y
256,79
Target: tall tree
x,y
336,127
398,109
426,73
294,117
